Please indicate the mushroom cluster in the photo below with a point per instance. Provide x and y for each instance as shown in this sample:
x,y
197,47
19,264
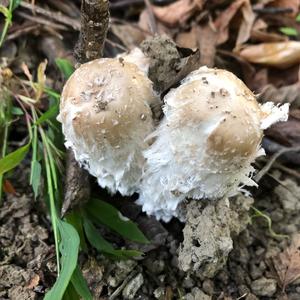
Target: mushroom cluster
x,y
203,147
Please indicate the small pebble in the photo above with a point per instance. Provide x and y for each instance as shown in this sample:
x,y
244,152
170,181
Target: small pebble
x,y
264,287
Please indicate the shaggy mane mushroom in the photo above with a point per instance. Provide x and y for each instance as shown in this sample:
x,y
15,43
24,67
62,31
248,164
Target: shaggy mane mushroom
x,y
106,116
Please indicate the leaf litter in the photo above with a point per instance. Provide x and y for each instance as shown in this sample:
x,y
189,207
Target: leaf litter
x,y
235,35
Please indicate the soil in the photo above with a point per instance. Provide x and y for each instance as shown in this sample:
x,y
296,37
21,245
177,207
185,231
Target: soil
x,y
28,258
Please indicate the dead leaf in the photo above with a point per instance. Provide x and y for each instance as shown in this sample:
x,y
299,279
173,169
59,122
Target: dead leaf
x,y
267,37
177,12
287,263
223,20
130,35
207,38
34,281
247,23
41,80
286,133
144,24
188,39
188,64
203,37
281,55
285,94
8,187
259,33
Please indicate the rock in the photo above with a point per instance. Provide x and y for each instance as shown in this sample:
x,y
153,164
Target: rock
x,y
159,292
251,297
243,290
197,294
208,286
19,292
255,272
188,282
133,286
208,234
155,266
120,271
264,287
93,271
288,194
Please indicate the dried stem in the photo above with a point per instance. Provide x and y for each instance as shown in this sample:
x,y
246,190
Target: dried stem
x,y
94,26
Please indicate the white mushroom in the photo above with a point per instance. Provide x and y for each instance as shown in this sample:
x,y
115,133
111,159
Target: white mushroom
x,y
137,57
204,147
106,115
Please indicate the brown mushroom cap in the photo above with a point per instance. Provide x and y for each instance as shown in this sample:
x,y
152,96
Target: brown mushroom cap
x,y
219,94
111,97
106,116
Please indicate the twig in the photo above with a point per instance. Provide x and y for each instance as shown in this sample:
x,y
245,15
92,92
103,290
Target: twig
x,y
40,20
116,293
287,170
94,26
124,3
52,15
274,157
152,25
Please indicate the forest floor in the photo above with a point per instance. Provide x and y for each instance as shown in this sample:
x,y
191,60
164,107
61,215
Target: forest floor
x,y
265,260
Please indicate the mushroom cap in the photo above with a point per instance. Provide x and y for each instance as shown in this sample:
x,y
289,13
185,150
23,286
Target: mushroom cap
x,y
206,143
106,116
210,94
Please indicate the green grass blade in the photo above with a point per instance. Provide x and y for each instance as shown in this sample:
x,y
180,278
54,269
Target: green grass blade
x,y
52,93
65,67
13,159
80,285
113,219
17,111
69,247
290,31
49,114
50,158
102,245
35,179
75,220
15,4
71,294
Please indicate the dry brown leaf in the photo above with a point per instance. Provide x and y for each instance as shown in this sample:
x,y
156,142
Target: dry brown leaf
x,y
281,55
287,133
202,37
144,24
287,263
130,35
223,20
207,38
188,39
247,23
177,12
267,37
8,187
285,94
34,281
259,33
